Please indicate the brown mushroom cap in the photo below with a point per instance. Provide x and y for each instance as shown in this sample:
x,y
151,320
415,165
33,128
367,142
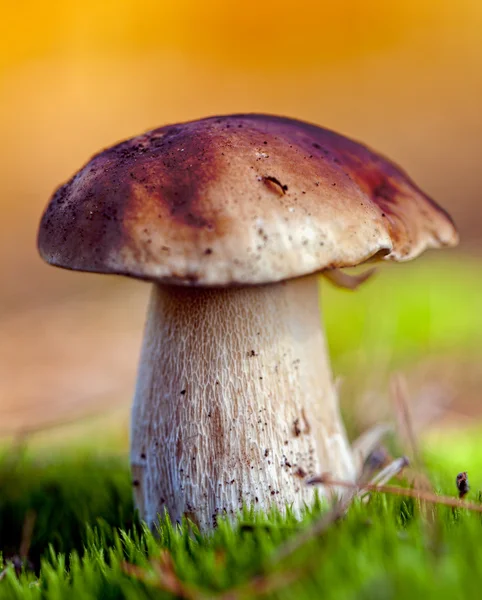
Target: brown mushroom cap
x,y
240,199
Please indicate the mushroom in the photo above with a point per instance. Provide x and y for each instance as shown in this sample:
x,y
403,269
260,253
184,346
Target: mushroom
x,y
231,218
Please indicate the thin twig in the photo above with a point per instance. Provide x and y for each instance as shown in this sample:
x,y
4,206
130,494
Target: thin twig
x,y
391,470
259,585
406,430
367,443
399,393
27,532
162,575
337,511
69,419
398,491
394,468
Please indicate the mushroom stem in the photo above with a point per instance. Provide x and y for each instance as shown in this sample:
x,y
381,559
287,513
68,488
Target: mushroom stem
x,y
234,402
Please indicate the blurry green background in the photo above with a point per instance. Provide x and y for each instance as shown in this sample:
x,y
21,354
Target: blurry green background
x,y
403,76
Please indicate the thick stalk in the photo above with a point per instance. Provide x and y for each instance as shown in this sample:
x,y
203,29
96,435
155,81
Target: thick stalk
x,y
234,402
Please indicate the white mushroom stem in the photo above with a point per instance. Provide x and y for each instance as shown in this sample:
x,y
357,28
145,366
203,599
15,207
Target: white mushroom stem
x,y
234,403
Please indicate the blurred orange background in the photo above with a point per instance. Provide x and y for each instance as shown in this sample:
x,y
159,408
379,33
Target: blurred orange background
x,y
404,76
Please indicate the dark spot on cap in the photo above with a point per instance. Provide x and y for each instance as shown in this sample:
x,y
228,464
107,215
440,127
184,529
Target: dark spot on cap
x,y
274,185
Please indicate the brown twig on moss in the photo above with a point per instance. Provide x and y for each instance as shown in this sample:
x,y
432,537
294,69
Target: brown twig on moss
x,y
27,532
404,421
406,432
163,576
398,491
20,561
338,510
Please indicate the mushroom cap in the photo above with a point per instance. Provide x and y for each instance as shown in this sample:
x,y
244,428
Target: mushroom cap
x,y
238,199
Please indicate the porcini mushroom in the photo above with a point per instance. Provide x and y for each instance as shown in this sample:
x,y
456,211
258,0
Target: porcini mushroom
x,y
231,218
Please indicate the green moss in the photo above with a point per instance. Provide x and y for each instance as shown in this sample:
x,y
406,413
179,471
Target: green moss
x,y
85,529
66,498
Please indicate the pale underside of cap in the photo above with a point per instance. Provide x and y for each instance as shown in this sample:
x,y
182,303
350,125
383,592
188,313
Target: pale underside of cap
x,y
240,199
